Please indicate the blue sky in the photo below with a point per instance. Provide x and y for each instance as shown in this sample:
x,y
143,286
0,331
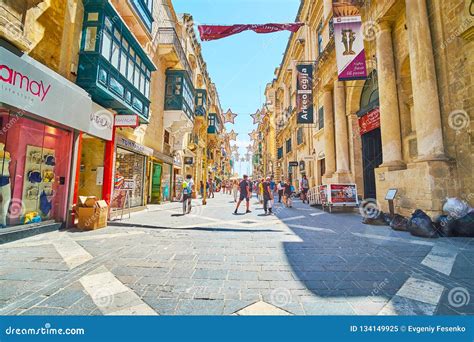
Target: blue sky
x,y
241,65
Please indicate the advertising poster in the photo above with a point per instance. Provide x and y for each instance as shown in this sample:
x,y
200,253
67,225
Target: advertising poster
x,y
349,41
343,193
369,121
304,93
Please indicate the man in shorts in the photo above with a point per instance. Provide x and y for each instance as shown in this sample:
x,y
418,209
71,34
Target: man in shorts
x,y
244,194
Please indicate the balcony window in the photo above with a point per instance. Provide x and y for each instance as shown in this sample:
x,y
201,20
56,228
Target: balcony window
x,y
280,152
91,38
320,38
201,102
116,86
288,146
299,136
93,16
144,9
321,118
120,55
102,76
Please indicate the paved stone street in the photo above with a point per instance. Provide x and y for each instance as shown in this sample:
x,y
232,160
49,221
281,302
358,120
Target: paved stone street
x,y
301,261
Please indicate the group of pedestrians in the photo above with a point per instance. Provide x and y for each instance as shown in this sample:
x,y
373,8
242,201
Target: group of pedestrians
x,y
266,190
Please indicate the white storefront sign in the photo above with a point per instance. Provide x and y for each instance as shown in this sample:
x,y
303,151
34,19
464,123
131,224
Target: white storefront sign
x,y
126,120
30,86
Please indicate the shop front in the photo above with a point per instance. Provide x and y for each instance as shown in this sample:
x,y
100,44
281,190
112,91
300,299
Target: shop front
x,y
37,137
160,181
129,174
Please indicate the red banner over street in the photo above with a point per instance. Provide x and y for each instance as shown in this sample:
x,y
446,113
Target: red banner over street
x,y
213,32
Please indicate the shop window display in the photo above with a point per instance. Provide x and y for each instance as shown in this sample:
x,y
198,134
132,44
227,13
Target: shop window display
x,y
35,162
128,179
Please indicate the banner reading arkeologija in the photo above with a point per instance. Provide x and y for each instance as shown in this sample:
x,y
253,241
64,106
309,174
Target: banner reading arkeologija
x,y
304,93
349,41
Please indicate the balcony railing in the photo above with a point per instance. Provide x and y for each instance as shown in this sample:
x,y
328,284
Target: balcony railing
x,y
168,36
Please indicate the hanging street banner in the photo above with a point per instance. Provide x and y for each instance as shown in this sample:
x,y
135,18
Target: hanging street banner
x,y
213,32
304,94
349,41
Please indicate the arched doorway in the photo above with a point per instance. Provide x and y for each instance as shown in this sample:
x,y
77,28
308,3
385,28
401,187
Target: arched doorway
x,y
369,125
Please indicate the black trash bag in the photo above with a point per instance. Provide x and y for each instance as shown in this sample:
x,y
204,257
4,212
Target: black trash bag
x,y
421,225
465,226
398,222
377,219
445,225
387,218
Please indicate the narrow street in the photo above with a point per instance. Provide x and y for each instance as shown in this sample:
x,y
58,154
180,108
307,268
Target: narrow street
x,y
301,261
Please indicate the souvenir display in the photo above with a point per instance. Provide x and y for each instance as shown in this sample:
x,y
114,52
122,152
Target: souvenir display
x,y
38,184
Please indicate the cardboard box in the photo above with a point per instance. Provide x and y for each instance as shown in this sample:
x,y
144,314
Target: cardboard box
x,y
87,201
93,218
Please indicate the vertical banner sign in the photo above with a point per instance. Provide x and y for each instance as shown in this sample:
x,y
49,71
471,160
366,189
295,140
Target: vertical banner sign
x,y
349,41
304,93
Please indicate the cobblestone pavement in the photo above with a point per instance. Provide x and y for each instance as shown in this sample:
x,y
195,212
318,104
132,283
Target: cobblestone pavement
x,y
301,261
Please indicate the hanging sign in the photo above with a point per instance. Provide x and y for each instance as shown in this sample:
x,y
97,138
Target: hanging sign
x,y
213,32
349,41
369,121
304,93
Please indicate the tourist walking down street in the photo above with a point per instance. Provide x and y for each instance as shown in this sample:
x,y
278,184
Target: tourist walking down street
x,y
273,190
210,185
280,188
188,188
245,194
235,189
304,186
267,194
287,194
260,191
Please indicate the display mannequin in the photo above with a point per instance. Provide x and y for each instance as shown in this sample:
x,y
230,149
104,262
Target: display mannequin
x,y
5,187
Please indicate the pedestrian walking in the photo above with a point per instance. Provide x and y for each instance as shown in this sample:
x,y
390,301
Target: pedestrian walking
x,y
267,195
210,188
245,194
304,186
188,188
260,191
280,188
235,189
288,194
273,190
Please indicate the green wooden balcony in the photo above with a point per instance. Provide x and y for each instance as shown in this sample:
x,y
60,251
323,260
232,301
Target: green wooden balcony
x,y
213,126
113,67
179,101
201,103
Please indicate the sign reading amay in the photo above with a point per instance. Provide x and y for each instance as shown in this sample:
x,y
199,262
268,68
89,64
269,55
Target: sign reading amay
x,y
28,85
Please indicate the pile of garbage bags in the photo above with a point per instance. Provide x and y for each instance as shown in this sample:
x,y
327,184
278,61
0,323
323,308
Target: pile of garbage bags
x,y
457,220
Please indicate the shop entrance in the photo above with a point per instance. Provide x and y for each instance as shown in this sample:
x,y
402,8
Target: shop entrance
x,y
371,159
91,172
156,183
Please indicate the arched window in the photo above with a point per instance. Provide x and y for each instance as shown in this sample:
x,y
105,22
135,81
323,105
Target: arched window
x,y
369,99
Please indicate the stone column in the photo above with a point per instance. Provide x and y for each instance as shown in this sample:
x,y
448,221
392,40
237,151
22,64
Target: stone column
x,y
425,89
340,127
327,9
389,111
329,148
